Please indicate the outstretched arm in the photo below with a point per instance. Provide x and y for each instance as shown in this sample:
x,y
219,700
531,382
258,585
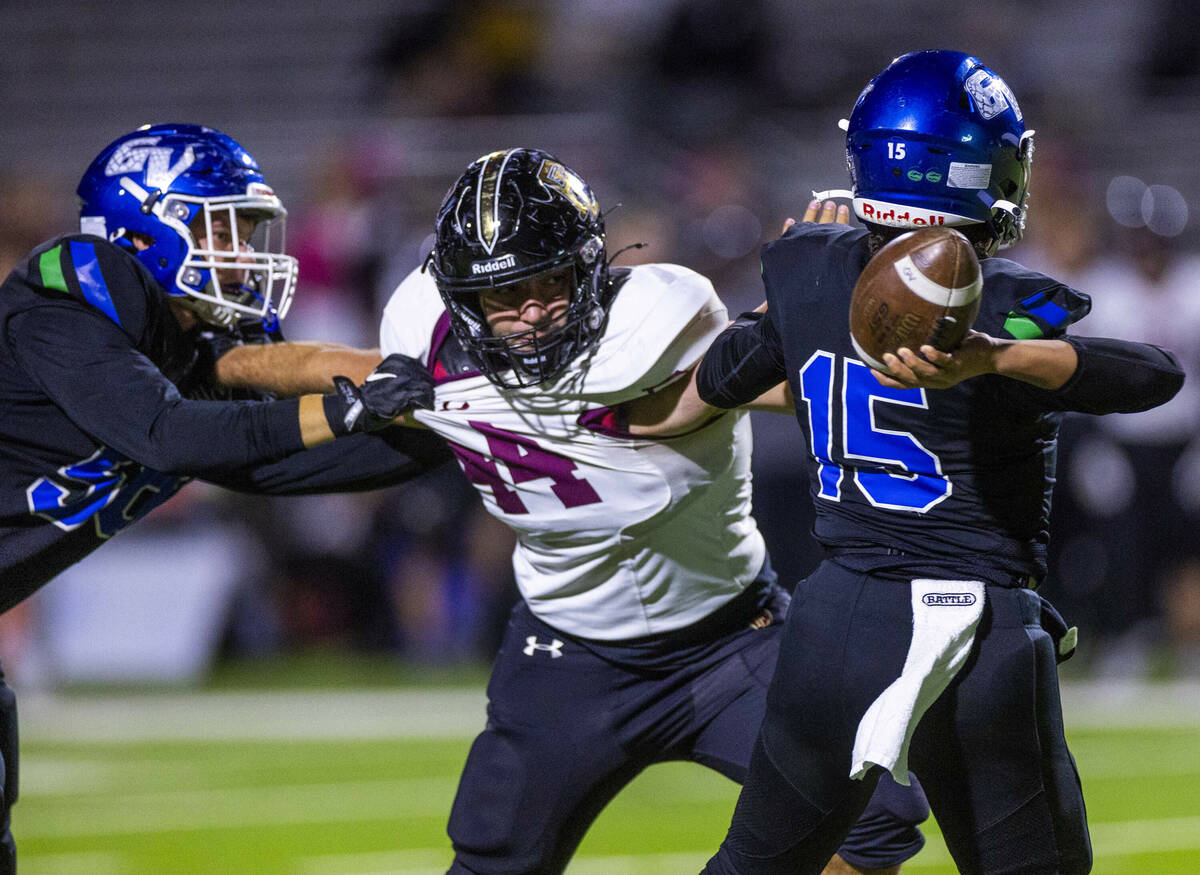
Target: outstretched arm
x,y
293,367
1085,374
303,368
740,369
1047,364
355,463
677,409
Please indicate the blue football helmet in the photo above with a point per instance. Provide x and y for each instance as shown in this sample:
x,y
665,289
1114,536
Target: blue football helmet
x,y
162,186
937,138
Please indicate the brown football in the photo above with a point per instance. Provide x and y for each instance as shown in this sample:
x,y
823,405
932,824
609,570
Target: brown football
x,y
923,287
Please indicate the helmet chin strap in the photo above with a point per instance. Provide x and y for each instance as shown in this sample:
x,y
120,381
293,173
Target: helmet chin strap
x,y
833,193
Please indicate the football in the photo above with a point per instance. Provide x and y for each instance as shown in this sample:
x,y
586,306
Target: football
x,y
922,287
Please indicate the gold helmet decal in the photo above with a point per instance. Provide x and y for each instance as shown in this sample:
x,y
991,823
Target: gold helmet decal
x,y
554,175
487,197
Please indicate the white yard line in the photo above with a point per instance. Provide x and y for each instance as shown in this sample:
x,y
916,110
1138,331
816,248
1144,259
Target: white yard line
x,y
1119,704
82,863
459,713
234,807
199,716
1145,836
1110,840
433,861
410,862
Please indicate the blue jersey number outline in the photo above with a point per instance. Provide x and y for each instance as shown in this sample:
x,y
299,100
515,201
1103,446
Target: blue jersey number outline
x,y
902,474
106,488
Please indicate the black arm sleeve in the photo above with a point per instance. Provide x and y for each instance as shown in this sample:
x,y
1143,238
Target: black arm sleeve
x,y
351,464
86,365
1118,376
745,360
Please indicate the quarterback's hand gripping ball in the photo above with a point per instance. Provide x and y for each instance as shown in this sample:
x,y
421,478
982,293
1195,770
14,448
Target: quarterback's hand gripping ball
x,y
921,288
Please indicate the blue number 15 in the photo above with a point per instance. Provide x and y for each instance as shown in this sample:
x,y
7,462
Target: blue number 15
x,y
919,483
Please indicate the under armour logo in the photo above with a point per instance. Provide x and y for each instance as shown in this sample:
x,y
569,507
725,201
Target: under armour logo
x,y
554,647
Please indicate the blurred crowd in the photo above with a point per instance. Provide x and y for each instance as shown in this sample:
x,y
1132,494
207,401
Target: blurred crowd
x,y
701,129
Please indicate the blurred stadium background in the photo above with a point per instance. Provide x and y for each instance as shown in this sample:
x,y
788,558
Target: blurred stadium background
x,y
155,731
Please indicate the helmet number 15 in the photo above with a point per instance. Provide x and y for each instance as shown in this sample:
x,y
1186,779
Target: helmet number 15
x,y
895,149
890,468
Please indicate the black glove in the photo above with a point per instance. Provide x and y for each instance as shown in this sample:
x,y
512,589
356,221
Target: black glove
x,y
398,385
211,343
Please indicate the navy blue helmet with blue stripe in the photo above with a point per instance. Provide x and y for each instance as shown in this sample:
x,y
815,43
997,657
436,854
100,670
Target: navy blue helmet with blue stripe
x,y
937,138
158,190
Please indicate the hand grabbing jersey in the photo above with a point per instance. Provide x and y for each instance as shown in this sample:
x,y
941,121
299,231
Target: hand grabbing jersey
x,y
398,385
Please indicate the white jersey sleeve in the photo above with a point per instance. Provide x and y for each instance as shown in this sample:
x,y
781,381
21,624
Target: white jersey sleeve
x,y
618,536
410,317
660,324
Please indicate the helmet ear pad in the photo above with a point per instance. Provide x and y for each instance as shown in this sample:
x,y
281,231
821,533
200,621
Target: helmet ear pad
x,y
513,216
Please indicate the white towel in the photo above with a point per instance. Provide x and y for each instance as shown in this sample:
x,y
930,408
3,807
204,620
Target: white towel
x,y
945,615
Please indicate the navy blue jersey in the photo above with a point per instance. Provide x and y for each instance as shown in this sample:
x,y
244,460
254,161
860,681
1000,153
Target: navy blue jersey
x,y
961,477
97,426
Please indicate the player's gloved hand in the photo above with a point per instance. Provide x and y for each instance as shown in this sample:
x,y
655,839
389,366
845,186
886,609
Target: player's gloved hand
x,y
212,342
398,385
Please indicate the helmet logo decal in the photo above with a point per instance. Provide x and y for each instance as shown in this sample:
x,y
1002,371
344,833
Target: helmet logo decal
x,y
487,198
142,154
990,94
555,176
495,264
899,216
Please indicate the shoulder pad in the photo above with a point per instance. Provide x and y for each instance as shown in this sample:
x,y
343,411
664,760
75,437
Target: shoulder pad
x,y
411,317
92,270
808,256
662,319
1039,306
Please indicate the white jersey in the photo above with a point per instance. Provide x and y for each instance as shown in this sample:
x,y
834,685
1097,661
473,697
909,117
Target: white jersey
x,y
618,536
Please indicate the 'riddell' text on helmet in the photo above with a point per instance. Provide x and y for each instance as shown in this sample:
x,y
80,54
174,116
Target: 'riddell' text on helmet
x,y
512,216
158,190
938,139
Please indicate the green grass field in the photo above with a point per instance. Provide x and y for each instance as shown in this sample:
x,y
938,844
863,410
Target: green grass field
x,y
361,782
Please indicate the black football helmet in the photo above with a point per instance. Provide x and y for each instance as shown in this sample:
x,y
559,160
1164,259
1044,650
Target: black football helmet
x,y
514,215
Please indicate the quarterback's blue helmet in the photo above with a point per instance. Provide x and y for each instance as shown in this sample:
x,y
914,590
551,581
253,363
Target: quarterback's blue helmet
x,y
937,138
157,191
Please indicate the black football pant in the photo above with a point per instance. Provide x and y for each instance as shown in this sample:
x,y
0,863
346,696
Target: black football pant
x,y
571,723
990,752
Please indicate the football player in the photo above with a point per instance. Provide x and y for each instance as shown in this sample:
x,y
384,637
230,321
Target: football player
x,y
921,641
103,342
647,629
